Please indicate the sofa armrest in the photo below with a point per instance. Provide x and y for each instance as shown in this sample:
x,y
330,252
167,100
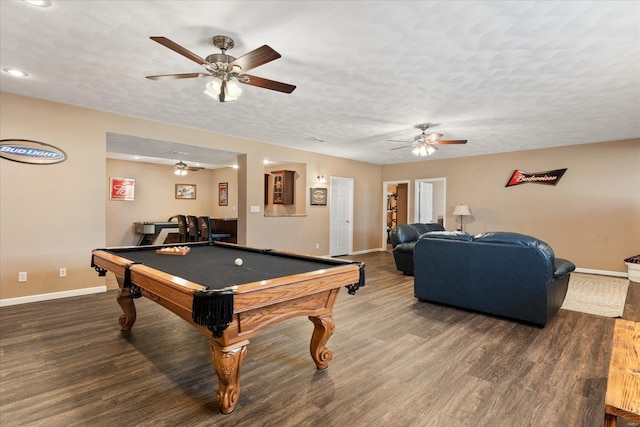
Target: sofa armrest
x,y
562,267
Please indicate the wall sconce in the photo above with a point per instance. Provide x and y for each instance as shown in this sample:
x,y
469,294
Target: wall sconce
x,y
462,211
321,178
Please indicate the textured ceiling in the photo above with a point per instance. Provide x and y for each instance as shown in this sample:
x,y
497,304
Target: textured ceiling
x,y
504,75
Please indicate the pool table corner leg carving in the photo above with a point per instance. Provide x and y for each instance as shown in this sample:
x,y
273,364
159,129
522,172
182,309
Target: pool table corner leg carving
x,y
322,331
227,362
125,300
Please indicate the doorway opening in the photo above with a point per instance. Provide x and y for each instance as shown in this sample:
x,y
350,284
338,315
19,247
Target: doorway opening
x,y
395,209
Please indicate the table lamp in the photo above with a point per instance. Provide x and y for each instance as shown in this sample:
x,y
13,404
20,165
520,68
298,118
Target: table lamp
x,y
461,210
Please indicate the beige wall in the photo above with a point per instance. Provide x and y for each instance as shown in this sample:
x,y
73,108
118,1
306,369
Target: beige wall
x,y
592,217
53,216
154,198
230,176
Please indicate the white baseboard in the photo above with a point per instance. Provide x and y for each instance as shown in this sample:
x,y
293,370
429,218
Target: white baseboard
x,y
54,295
99,289
601,272
366,251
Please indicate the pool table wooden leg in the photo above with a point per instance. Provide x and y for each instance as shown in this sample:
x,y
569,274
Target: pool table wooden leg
x,y
322,331
227,362
125,300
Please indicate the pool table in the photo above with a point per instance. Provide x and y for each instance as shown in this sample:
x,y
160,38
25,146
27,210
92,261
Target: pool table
x,y
230,303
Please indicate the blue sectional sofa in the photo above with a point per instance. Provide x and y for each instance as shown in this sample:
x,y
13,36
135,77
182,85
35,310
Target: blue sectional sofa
x,y
500,273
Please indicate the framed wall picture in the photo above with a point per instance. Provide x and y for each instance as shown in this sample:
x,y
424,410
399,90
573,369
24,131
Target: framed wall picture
x,y
186,191
121,188
223,194
318,196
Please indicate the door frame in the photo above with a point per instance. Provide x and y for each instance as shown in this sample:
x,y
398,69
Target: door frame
x,y
440,183
350,196
386,184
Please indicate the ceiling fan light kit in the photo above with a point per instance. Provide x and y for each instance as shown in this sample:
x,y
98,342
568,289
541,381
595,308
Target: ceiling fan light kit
x,y
424,150
223,90
225,69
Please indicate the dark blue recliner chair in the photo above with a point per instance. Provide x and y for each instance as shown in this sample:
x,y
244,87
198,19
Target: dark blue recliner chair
x,y
403,238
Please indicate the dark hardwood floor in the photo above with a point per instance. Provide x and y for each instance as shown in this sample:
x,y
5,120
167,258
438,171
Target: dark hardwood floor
x,y
397,362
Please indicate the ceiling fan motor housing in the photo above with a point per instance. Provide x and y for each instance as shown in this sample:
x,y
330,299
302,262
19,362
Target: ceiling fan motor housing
x,y
220,61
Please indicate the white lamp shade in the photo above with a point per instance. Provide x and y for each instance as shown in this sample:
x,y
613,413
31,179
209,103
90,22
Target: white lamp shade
x,y
213,87
461,210
233,89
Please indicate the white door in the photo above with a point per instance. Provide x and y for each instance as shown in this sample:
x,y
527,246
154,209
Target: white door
x,y
425,202
431,200
341,208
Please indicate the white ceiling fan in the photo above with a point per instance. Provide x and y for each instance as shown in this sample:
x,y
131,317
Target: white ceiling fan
x,y
181,168
427,144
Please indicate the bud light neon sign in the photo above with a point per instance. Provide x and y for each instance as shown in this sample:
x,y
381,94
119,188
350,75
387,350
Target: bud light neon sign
x,y
33,152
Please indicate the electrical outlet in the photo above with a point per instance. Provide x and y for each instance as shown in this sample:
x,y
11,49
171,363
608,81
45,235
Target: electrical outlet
x,y
22,276
63,272
317,245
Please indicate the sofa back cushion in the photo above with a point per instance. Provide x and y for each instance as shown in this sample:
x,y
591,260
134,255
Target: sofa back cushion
x,y
449,235
517,239
427,227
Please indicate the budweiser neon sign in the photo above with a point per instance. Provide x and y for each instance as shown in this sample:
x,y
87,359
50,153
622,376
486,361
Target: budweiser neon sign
x,y
547,178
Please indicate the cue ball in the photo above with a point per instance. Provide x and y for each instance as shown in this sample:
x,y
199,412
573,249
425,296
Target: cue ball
x,y
238,262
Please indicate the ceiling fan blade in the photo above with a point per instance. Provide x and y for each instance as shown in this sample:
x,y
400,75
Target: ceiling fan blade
x,y
193,168
453,141
177,76
178,49
266,83
400,148
255,58
397,140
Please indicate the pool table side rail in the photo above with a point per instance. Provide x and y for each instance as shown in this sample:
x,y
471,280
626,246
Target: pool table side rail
x,y
249,295
119,265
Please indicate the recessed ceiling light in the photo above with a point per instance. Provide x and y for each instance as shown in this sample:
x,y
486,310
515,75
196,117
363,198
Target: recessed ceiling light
x,y
39,3
15,72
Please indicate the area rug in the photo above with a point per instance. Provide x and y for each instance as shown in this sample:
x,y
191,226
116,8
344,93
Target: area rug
x,y
594,294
